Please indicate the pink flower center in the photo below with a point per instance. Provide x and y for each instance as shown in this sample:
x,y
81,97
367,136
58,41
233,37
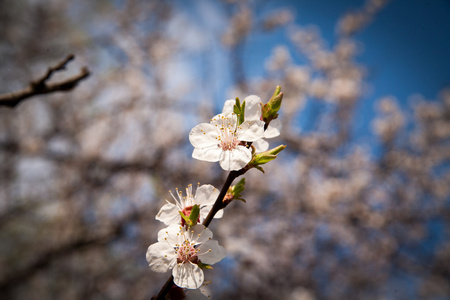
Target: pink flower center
x,y
228,144
227,139
187,253
227,134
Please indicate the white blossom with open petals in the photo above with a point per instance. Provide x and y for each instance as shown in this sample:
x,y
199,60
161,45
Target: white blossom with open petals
x,y
180,250
223,140
204,197
253,112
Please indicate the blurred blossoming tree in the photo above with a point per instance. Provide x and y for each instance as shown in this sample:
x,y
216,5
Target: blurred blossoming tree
x,y
83,174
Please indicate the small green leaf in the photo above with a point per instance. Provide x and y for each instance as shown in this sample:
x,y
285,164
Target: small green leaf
x,y
260,168
264,157
239,110
240,199
237,107
241,116
193,217
204,266
186,219
239,188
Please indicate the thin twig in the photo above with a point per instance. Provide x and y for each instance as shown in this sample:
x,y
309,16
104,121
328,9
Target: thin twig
x,y
40,86
218,205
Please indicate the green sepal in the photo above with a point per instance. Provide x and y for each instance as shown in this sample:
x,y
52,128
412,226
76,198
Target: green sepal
x,y
240,199
239,110
238,188
204,266
193,217
264,157
186,219
271,108
260,168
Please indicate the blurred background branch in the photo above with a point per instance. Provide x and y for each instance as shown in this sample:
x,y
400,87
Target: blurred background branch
x,y
40,86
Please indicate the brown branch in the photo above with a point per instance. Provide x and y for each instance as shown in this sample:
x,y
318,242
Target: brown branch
x,y
40,86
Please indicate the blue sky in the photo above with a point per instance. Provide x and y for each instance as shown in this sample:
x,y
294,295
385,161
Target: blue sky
x,y
405,48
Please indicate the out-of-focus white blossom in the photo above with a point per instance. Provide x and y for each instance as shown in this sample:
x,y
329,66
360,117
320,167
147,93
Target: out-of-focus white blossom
x,y
240,26
279,60
278,18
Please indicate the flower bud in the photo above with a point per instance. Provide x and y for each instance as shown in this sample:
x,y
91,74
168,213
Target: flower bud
x,y
234,192
190,216
264,157
271,108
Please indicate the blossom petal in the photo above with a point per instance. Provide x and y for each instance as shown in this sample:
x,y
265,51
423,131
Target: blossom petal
x,y
188,275
274,129
212,252
159,257
206,195
200,234
210,154
260,145
204,212
170,234
250,131
252,108
224,120
235,159
169,214
218,214
203,135
228,106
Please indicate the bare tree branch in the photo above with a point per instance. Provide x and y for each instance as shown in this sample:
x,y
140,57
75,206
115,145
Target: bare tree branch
x,y
40,86
82,242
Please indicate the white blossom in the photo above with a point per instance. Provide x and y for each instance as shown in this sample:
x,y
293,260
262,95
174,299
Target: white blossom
x,y
223,140
253,112
181,250
204,197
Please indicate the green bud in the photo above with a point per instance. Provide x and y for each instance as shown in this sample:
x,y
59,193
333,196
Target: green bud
x,y
238,188
264,157
271,108
234,192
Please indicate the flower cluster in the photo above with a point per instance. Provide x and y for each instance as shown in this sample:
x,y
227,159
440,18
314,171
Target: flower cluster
x,y
227,141
234,138
185,248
